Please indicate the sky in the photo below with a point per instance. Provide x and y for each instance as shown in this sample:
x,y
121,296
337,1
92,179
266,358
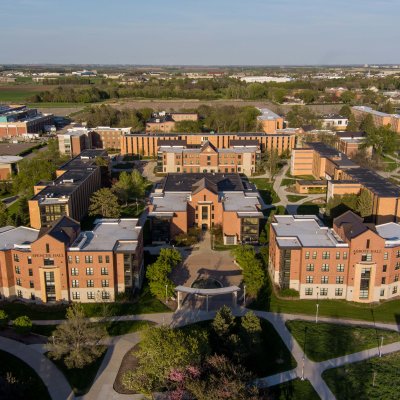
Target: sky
x,y
200,32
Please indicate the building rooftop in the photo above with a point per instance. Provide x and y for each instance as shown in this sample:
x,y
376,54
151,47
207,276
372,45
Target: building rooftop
x,y
17,238
332,116
10,159
87,158
267,114
390,232
377,113
304,230
350,135
108,235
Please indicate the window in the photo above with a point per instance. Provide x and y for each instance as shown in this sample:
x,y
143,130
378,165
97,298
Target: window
x,y
308,292
105,283
74,271
107,259
47,248
75,283
338,255
394,290
31,284
90,295
30,272
76,295
338,292
17,270
364,294
100,259
89,271
29,260
309,279
314,255
345,255
383,281
19,293
340,268
89,259
90,283
324,279
384,268
70,259
18,281
16,257
76,259
48,261
323,292
397,266
105,295
368,243
339,280
396,278
310,267
325,255
104,271
382,292
307,255
385,255
366,257
398,253
325,267
33,297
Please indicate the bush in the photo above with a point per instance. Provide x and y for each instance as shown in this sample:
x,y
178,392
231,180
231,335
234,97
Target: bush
x,y
3,319
23,324
289,293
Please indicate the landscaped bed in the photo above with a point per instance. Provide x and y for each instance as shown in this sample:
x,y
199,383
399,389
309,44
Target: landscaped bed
x,y
376,378
322,341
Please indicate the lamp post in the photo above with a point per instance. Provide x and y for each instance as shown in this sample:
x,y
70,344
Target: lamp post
x,y
380,347
166,293
316,313
304,354
302,369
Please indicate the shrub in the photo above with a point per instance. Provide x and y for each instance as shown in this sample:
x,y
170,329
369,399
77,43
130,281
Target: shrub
x,y
3,319
22,324
289,293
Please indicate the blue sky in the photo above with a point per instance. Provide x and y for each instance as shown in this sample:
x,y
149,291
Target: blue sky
x,y
201,32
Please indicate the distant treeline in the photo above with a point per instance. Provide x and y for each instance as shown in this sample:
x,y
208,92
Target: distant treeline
x,y
309,91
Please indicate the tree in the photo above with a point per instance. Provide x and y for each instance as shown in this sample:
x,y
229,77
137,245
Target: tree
x,y
364,204
223,322
123,188
345,111
272,163
3,214
77,340
352,125
188,126
388,108
162,350
382,140
104,203
337,204
159,283
222,379
22,324
367,124
348,97
3,319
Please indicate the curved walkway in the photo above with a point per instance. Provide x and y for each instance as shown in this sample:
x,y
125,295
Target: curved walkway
x,y
57,385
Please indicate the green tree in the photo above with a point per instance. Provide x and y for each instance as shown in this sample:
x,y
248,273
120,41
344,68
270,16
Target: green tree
x,y
345,111
382,140
223,322
188,126
77,340
22,324
104,203
3,214
337,204
161,350
348,97
352,125
123,188
367,124
3,319
388,108
364,204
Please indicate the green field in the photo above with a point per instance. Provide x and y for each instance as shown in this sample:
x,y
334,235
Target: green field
x,y
293,198
266,190
28,385
376,378
323,341
17,95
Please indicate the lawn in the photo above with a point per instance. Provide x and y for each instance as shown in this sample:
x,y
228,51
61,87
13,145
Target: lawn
x,y
288,182
132,210
292,390
16,95
266,190
376,378
80,379
323,341
28,385
293,198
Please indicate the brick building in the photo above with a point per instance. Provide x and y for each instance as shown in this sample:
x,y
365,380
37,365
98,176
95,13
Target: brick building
x,y
166,122
8,166
352,260
241,157
18,120
61,263
69,194
207,200
350,143
269,121
380,118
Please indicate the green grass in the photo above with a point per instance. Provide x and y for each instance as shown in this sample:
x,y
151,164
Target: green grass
x,y
287,182
29,386
323,341
13,208
266,190
33,311
59,105
132,210
376,378
16,95
80,379
292,390
293,198
118,328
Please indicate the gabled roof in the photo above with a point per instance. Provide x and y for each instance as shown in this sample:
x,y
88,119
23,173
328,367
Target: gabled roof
x,y
207,145
64,230
204,183
352,224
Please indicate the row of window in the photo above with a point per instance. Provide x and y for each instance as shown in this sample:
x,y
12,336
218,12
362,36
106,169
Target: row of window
x,y
326,255
394,291
91,295
90,283
325,279
89,259
323,291
89,271
20,295
325,267
18,283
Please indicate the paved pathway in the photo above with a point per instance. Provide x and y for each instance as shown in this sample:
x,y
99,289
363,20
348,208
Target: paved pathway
x,y
57,385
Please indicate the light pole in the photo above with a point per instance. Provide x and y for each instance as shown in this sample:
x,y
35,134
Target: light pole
x,y
166,293
244,295
380,347
304,354
316,313
302,369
